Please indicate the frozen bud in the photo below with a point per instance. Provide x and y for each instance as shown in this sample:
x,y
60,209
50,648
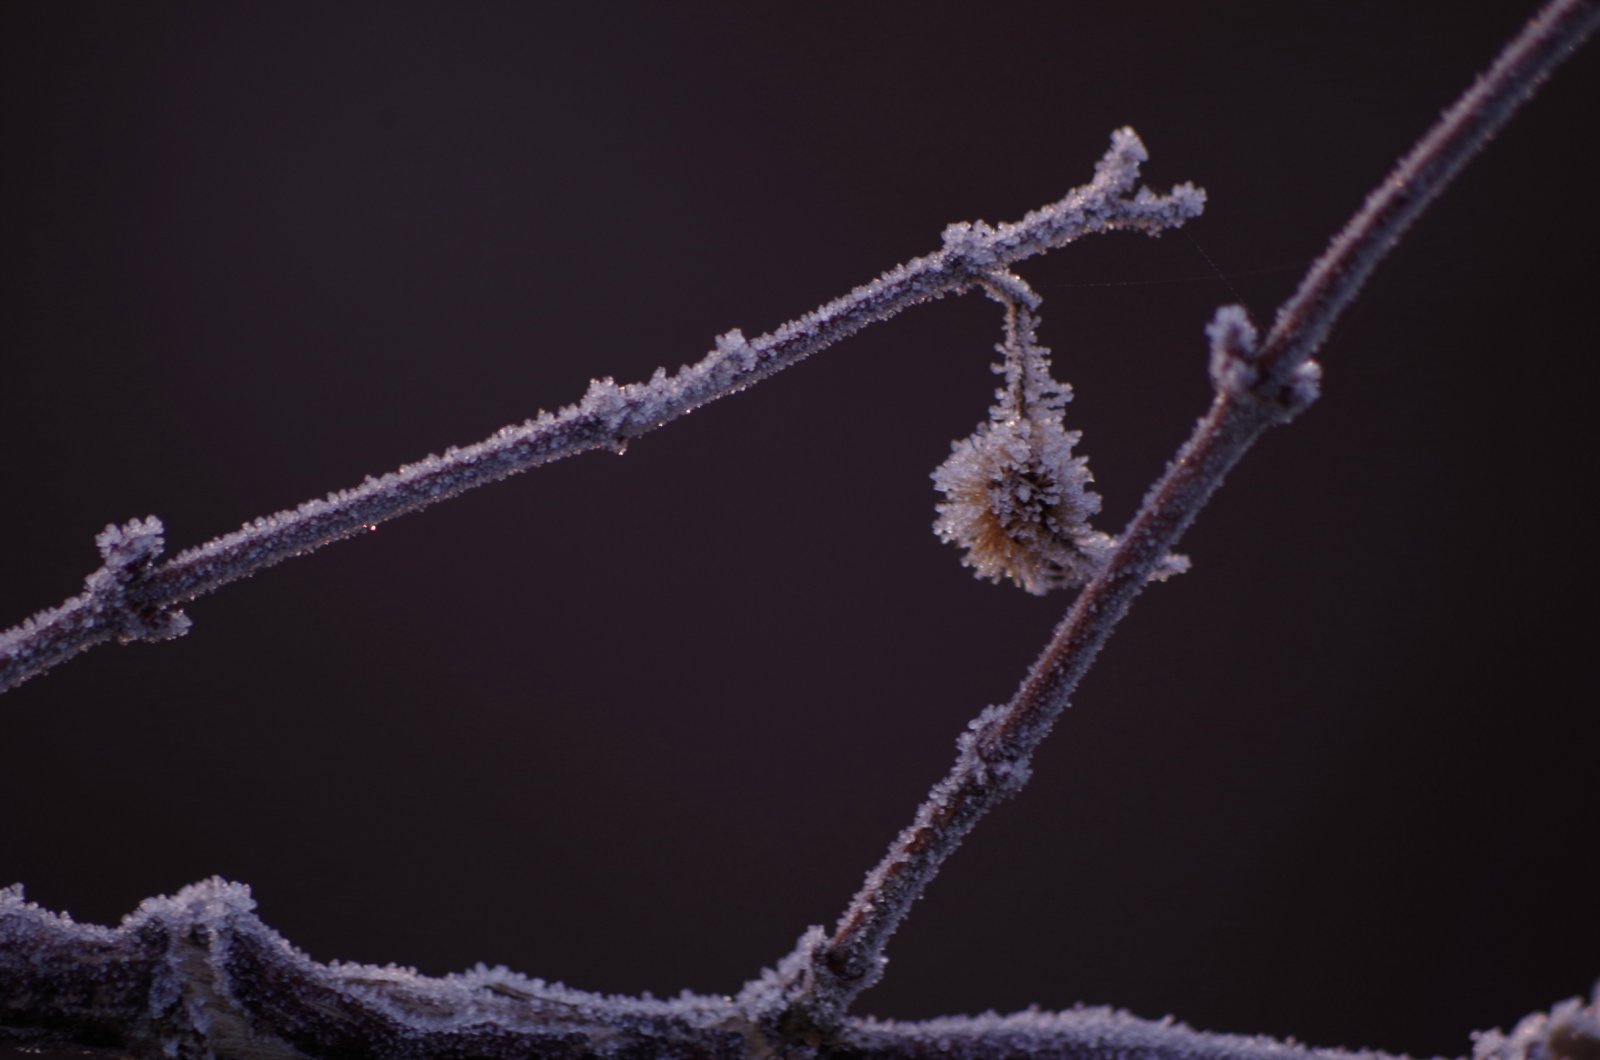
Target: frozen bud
x,y
1233,349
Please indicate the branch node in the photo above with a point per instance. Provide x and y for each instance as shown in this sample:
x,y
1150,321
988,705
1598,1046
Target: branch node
x,y
973,242
130,552
1233,350
1236,368
802,1000
991,759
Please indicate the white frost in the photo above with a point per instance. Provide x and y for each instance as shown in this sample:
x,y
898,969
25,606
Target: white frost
x,y
1016,498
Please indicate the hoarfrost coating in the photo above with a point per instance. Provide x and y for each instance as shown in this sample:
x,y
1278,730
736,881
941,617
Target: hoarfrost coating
x,y
1016,498
610,414
198,974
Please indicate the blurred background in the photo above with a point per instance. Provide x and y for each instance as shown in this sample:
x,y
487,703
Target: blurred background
x,y
633,723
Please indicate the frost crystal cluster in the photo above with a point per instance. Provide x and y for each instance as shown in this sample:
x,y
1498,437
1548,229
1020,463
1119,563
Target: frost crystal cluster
x,y
1015,497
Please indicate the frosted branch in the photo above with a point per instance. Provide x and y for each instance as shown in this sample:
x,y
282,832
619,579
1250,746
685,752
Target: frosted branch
x,y
1079,1034
1305,320
610,415
114,605
1569,1031
199,975
1253,391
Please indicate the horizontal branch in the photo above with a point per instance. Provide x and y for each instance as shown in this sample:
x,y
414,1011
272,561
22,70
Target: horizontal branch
x,y
199,975
143,607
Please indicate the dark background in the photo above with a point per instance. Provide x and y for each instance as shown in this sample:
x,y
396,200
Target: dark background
x,y
634,723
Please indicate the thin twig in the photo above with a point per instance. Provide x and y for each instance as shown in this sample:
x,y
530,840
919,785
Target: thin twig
x,y
141,606
1254,390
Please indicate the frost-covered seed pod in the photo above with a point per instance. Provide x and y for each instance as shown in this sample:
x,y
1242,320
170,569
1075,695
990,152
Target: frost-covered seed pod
x,y
1016,498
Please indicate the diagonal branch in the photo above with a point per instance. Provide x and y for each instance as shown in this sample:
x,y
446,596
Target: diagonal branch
x,y
1255,389
607,417
1304,321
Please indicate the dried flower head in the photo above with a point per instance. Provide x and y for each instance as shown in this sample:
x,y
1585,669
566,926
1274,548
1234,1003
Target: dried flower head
x,y
1015,497
1018,501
